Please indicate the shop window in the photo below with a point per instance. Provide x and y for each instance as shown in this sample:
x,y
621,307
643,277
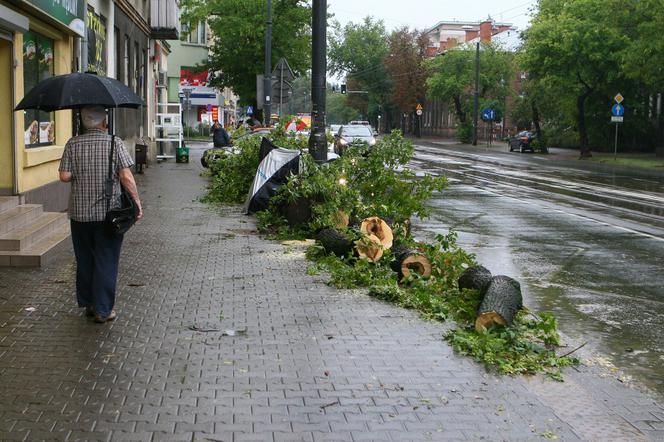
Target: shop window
x,y
37,66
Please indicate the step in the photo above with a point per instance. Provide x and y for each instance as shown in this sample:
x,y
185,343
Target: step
x,y
40,252
21,238
18,216
8,202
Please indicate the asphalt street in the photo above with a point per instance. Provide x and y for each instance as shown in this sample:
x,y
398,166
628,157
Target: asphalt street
x,y
586,242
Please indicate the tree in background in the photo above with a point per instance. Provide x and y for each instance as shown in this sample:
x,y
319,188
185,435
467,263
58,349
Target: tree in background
x,y
237,50
576,48
644,59
357,51
404,65
452,79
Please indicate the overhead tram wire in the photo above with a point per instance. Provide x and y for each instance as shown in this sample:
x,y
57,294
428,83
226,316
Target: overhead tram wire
x,y
514,7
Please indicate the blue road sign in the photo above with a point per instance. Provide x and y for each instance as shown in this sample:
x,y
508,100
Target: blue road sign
x,y
250,110
488,114
617,110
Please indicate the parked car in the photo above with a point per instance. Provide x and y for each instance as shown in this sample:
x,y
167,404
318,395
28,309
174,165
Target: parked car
x,y
522,141
353,134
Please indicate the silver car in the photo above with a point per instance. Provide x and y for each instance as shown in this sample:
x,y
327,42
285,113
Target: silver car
x,y
353,134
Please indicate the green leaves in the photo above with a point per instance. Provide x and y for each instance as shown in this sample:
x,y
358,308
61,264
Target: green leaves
x,y
363,185
237,50
579,54
527,347
452,77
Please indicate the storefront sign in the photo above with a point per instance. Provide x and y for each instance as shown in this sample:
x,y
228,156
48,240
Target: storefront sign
x,y
96,27
69,12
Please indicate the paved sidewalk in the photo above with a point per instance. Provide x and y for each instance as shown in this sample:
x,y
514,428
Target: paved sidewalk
x,y
307,362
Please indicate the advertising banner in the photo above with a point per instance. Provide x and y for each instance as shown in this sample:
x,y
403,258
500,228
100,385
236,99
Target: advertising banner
x,y
71,13
97,46
190,77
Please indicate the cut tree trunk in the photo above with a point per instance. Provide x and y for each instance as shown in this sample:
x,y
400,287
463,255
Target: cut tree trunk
x,y
501,302
409,260
297,212
475,278
335,242
369,247
380,229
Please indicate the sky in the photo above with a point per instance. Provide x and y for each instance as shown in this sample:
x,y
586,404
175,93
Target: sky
x,y
423,14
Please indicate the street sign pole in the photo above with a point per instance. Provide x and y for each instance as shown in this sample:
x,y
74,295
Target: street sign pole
x,y
615,150
476,104
617,112
317,138
267,88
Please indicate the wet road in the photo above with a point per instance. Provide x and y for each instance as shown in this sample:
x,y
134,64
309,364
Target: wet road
x,y
585,244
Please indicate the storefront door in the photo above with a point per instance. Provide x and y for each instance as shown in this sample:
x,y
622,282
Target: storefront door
x,y
7,172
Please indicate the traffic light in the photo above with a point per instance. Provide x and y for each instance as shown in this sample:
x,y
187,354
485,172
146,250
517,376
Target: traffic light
x,y
343,88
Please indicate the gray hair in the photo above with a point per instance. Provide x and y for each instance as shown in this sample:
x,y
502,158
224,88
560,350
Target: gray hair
x,y
93,116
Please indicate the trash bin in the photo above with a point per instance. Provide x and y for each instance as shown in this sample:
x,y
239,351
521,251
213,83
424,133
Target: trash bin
x,y
182,154
141,153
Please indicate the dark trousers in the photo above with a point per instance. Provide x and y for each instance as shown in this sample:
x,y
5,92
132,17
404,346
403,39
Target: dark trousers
x,y
97,259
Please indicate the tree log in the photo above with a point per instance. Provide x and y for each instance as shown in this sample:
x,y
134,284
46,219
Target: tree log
x,y
297,212
475,278
409,260
380,229
335,242
369,247
501,302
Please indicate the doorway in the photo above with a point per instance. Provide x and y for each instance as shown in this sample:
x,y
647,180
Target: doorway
x,y
7,171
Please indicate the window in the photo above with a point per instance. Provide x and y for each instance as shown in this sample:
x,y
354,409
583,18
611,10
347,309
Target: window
x,y
118,54
37,66
195,34
125,73
144,76
137,69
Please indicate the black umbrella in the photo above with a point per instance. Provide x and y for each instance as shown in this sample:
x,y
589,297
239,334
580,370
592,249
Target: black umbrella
x,y
72,91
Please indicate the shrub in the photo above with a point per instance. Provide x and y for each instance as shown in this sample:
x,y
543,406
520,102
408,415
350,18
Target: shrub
x,y
464,133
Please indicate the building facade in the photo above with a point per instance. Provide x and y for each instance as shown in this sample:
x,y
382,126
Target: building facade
x,y
438,117
37,41
43,38
189,85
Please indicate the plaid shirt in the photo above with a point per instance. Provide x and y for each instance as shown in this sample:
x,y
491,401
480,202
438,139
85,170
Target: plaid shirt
x,y
86,157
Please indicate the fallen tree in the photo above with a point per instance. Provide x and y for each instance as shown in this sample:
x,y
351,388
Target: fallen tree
x,y
500,304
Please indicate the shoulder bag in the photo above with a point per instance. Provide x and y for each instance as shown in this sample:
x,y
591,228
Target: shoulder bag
x,y
120,219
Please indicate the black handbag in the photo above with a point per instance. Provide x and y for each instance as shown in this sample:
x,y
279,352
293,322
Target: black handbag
x,y
119,219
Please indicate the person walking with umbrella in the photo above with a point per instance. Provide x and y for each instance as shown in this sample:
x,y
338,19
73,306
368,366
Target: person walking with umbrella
x,y
97,166
84,165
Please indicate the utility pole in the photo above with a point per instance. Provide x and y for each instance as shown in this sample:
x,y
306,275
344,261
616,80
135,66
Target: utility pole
x,y
317,139
267,78
476,104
